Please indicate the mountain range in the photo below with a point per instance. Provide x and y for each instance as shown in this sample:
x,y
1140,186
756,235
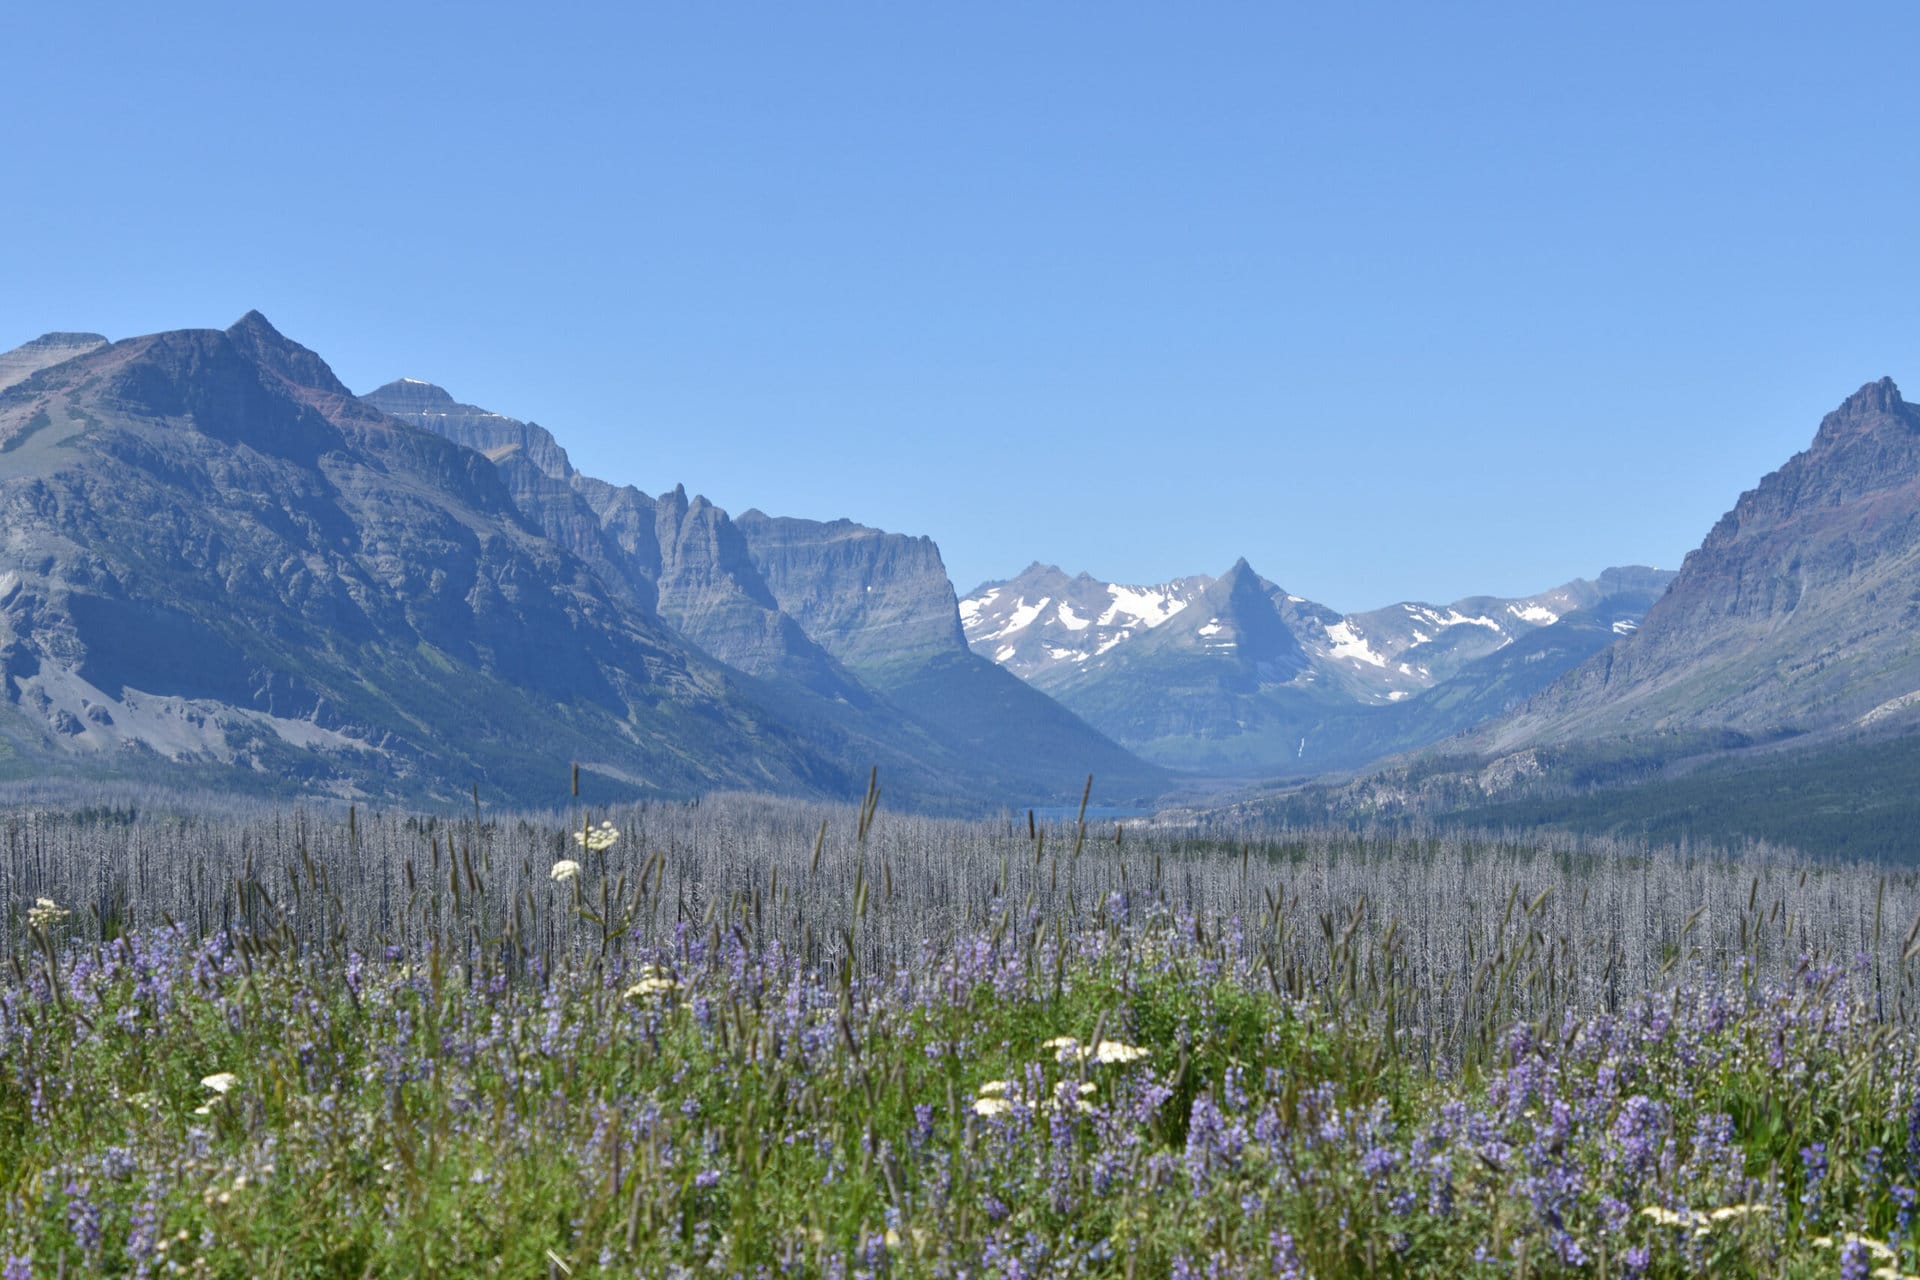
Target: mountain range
x,y
1235,675
1772,692
1799,613
221,567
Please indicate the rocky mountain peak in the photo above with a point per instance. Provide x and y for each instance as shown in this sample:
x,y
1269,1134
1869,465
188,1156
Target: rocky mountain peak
x,y
1796,613
44,352
424,404
64,341
1874,405
256,338
411,395
1240,579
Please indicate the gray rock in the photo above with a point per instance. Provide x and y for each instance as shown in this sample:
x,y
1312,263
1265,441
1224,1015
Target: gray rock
x,y
210,540
1799,612
44,352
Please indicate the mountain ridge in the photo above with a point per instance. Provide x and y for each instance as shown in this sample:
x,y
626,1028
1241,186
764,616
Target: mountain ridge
x,y
1235,674
851,617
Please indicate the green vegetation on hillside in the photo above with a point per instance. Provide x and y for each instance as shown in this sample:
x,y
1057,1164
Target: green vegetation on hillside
x,y
717,1041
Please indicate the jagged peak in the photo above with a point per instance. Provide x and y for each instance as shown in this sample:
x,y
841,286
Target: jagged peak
x,y
1881,395
257,322
1869,405
254,335
1239,571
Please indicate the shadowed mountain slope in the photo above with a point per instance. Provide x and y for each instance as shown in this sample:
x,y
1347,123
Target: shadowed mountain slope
x,y
1799,612
851,629
219,559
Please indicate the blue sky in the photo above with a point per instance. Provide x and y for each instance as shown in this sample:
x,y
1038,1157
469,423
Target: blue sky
x,y
1394,300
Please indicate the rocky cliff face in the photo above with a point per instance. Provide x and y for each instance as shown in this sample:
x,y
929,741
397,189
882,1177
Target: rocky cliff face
x,y
216,555
711,589
425,405
679,558
1800,611
851,630
544,486
882,604
872,599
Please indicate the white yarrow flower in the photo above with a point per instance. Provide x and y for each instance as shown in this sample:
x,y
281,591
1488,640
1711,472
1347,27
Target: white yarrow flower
x,y
45,913
564,870
1114,1051
595,839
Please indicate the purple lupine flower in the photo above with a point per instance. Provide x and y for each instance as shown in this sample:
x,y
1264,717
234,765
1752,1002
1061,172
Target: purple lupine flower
x,y
1232,1092
83,1215
1285,1258
19,1267
1903,1198
1814,1159
1568,1249
1853,1261
1913,1132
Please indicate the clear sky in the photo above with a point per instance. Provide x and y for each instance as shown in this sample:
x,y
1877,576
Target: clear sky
x,y
1413,300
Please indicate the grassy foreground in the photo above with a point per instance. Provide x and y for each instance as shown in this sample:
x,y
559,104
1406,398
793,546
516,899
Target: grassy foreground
x,y
1140,1093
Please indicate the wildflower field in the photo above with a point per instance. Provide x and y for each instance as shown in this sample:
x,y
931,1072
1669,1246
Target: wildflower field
x,y
755,1038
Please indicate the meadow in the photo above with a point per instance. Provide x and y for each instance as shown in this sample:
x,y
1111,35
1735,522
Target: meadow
x,y
753,1037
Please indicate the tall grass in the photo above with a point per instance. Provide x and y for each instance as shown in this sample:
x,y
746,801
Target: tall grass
x,y
761,1037
1461,929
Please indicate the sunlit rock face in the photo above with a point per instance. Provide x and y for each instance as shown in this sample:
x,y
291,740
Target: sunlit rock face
x,y
216,555
1799,612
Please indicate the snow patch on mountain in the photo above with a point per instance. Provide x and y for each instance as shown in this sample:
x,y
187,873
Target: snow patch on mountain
x,y
1020,619
1349,643
1139,606
971,607
1451,618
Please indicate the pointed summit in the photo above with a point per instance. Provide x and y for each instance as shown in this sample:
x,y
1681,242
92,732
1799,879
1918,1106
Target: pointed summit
x,y
1878,397
1242,578
1873,404
254,335
255,322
